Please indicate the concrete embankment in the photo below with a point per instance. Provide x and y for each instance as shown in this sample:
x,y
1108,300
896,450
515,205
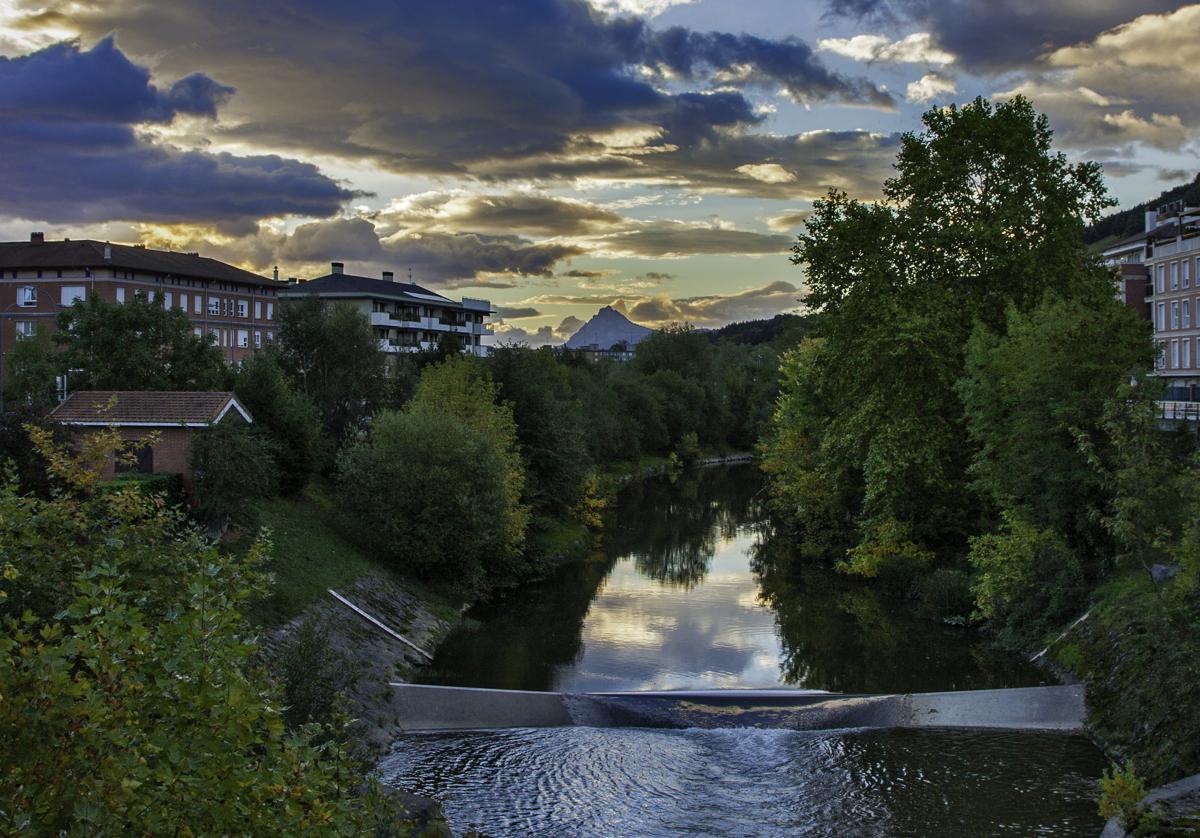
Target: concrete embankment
x,y
423,708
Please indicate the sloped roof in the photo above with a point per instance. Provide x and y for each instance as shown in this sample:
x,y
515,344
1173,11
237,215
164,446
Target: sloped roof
x,y
86,253
366,286
140,408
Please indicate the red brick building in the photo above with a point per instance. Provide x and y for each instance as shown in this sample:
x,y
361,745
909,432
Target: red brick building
x,y
40,278
171,416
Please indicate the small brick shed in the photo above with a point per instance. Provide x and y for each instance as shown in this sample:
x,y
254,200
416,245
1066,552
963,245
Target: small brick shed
x,y
174,416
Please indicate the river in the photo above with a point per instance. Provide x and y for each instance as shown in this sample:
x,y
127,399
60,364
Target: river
x,y
681,594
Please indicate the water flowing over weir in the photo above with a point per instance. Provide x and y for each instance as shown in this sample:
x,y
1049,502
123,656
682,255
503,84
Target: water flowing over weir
x,y
677,684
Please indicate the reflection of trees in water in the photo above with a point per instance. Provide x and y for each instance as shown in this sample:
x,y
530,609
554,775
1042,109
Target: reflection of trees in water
x,y
520,640
671,529
841,635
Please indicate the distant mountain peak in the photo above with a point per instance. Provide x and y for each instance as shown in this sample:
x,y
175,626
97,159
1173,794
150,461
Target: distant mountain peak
x,y
607,328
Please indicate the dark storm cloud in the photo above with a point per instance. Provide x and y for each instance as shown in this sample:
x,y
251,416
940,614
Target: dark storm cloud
x,y
70,150
998,35
537,88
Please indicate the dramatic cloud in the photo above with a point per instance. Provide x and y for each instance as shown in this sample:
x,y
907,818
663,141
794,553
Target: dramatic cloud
x,y
788,221
999,35
514,213
675,239
929,86
916,48
70,150
545,90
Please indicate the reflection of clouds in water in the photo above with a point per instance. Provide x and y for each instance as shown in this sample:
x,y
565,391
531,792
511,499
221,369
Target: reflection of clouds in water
x,y
711,636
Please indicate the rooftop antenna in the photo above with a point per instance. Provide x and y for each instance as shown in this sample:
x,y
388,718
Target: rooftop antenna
x,y
410,274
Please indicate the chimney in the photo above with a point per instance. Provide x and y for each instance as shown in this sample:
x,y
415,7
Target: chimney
x,y
276,273
1151,220
37,238
293,281
107,252
388,276
337,267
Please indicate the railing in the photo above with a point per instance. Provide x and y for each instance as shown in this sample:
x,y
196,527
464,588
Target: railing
x,y
1180,411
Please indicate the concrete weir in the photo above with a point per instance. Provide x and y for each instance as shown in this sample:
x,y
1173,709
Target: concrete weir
x,y
429,708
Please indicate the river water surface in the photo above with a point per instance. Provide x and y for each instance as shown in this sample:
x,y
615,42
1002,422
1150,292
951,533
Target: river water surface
x,y
681,594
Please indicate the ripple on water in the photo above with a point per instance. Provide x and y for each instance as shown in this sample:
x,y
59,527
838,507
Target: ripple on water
x,y
747,782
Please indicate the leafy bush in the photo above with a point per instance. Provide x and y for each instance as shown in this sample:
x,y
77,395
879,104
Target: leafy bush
x,y
165,484
430,494
287,415
313,674
131,703
889,554
1029,581
1121,790
231,464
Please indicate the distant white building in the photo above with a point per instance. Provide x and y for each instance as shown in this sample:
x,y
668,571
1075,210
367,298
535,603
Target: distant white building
x,y
405,316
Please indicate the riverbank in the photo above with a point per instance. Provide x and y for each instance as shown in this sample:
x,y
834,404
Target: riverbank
x,y
1140,664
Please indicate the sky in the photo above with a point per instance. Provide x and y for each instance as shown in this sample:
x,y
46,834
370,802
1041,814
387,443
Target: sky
x,y
553,156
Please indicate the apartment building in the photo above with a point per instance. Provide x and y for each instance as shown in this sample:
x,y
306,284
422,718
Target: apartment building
x,y
40,278
405,316
1172,261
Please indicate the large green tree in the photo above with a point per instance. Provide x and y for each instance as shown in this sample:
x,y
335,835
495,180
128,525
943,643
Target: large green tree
x,y
980,216
136,345
33,365
332,355
286,414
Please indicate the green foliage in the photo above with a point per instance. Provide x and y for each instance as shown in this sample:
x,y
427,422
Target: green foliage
x,y
33,364
1029,580
1121,790
459,389
232,464
549,426
1032,394
314,676
131,704
165,484
688,449
980,216
27,464
431,495
946,595
888,553
331,355
136,345
286,414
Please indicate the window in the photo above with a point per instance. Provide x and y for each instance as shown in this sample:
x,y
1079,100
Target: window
x,y
120,295
27,296
1175,315
1162,278
24,329
1187,273
258,311
1161,361
270,338
1174,354
242,308
197,303
151,295
1162,317
270,311
214,306
71,293
1187,354
183,302
1187,314
196,331
257,339
214,337
168,301
1174,275
243,338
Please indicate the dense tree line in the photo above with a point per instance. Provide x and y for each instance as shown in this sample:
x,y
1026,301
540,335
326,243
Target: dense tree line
x,y
973,418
